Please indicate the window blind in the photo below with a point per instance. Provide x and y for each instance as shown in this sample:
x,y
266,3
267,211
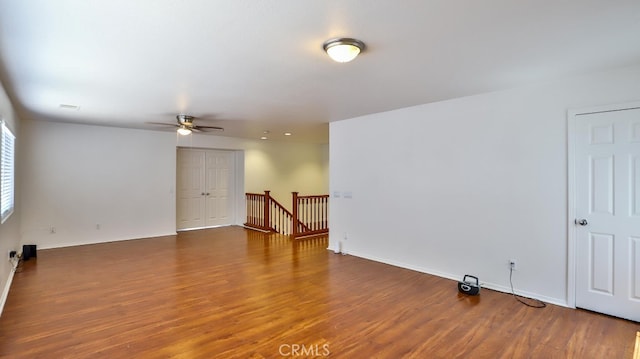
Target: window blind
x,y
7,172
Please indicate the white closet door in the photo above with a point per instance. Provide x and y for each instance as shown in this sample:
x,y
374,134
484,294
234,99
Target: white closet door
x,y
218,185
205,188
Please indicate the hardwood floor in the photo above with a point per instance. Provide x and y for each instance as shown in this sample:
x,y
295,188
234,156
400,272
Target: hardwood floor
x,y
234,293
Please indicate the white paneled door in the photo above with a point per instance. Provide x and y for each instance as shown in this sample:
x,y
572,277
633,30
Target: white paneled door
x,y
205,180
607,208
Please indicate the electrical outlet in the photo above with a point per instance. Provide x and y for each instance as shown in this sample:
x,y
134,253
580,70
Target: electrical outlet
x,y
52,230
12,254
513,264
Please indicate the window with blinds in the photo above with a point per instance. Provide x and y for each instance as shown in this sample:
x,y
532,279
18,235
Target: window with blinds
x,y
7,172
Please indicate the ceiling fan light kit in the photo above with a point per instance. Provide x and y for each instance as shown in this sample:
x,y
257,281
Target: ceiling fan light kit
x,y
186,124
184,130
343,49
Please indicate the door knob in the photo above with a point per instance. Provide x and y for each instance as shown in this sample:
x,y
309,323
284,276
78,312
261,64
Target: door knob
x,y
582,222
202,194
208,193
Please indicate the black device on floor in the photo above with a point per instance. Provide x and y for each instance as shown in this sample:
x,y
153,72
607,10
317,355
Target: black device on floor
x,y
29,251
469,287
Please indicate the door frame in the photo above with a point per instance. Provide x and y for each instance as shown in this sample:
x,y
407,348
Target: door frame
x,y
572,117
239,209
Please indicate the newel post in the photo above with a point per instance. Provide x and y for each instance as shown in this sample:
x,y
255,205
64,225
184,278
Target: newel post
x,y
267,200
295,214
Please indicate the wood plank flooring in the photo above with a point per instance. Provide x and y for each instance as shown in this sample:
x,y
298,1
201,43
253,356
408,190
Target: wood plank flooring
x,y
233,293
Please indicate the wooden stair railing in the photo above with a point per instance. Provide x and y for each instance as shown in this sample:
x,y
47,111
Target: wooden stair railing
x,y
257,206
310,213
267,214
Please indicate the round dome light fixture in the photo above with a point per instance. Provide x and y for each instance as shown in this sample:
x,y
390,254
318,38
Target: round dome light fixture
x,y
184,130
343,49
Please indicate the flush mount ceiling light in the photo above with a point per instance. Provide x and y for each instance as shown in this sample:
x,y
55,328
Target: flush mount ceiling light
x,y
343,49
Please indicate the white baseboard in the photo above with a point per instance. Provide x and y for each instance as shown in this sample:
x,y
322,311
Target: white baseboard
x,y
108,240
492,286
5,291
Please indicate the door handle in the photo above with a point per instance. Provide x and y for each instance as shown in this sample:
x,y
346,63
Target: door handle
x,y
202,194
208,193
582,222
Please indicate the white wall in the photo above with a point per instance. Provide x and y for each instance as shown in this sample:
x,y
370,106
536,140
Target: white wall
x,y
283,168
459,187
75,177
10,229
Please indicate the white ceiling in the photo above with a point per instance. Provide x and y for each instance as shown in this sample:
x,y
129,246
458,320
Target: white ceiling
x,y
256,65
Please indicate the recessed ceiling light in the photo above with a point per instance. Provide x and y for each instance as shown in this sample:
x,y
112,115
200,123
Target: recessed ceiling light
x,y
343,49
263,137
266,132
66,106
287,133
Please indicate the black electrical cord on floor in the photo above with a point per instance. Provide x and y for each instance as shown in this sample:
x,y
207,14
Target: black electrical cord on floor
x,y
540,304
17,268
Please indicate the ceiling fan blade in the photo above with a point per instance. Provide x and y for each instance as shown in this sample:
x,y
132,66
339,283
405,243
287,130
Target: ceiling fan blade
x,y
214,128
206,116
162,124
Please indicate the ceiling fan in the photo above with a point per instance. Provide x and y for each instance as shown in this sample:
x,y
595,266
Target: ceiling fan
x,y
185,125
